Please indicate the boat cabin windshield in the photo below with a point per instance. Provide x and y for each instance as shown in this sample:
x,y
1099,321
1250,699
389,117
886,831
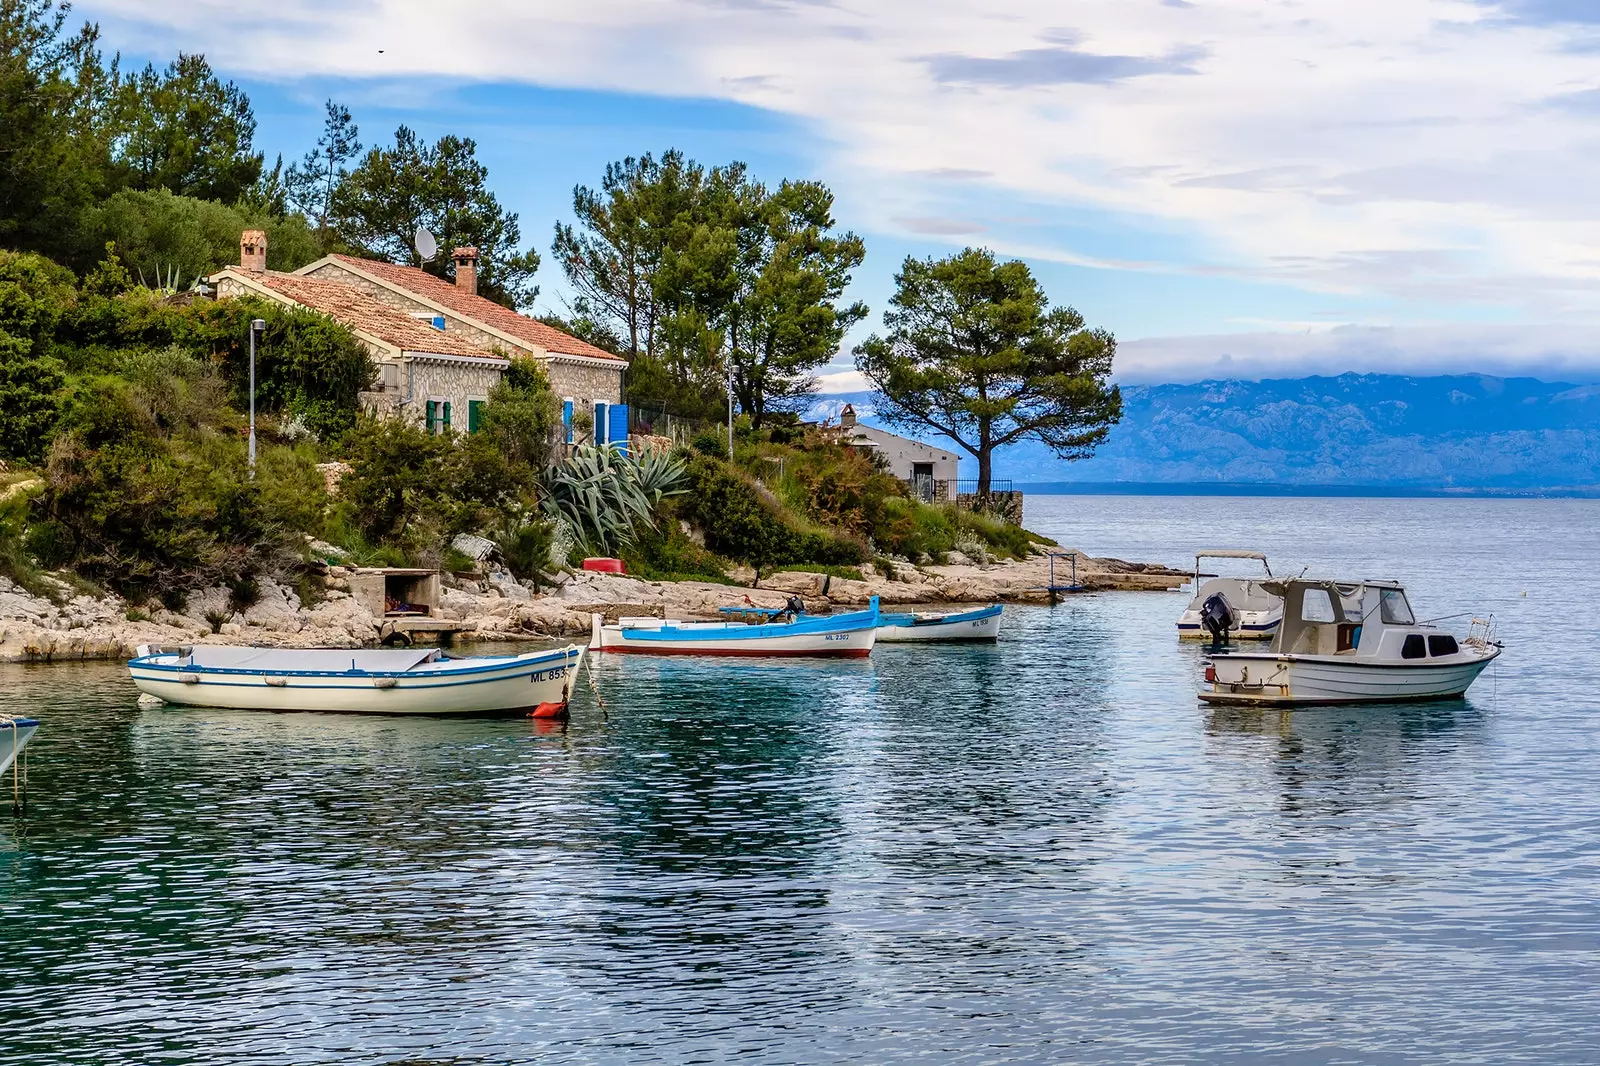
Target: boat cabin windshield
x,y
1394,610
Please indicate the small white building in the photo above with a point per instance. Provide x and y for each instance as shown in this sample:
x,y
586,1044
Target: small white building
x,y
928,469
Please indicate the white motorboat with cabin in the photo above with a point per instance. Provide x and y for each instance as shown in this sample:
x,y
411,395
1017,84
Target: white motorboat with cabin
x,y
1256,612
769,633
978,626
15,732
1343,642
361,681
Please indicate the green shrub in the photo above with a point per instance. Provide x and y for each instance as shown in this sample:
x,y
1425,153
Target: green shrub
x,y
740,523
709,442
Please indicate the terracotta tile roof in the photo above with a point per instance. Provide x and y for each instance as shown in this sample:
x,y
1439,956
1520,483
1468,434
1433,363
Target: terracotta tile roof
x,y
478,308
356,309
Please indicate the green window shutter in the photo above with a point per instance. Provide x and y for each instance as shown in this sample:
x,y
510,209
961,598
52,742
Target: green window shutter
x,y
432,410
474,415
447,416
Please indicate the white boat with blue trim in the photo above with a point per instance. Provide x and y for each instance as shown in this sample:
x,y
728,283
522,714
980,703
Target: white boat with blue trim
x,y
832,636
359,681
15,732
979,626
1345,642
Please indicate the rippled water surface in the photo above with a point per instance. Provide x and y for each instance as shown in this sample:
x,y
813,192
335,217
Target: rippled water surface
x,y
1041,851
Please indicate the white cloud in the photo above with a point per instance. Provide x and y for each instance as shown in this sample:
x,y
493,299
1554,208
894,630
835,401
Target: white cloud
x,y
1429,152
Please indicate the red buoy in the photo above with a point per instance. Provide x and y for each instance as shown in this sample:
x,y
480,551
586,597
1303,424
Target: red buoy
x,y
605,566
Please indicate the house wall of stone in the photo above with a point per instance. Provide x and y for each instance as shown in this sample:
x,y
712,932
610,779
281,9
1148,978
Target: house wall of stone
x,y
585,384
457,383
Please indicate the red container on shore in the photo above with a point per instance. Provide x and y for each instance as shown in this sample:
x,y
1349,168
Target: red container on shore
x,y
605,566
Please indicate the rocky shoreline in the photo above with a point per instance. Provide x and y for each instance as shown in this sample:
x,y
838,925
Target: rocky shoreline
x,y
75,626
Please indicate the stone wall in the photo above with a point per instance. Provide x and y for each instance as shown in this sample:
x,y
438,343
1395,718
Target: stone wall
x,y
431,379
1007,505
585,383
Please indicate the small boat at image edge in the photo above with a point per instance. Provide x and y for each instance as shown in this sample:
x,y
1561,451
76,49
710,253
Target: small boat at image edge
x,y
1256,613
1350,642
360,681
15,732
981,625
832,636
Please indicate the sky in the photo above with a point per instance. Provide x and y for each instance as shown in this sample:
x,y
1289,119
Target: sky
x,y
1250,188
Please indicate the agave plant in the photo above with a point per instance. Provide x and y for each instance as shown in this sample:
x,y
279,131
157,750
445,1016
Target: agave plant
x,y
604,497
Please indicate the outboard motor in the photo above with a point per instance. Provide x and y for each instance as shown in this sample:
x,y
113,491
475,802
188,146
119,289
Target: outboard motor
x,y
795,607
1216,614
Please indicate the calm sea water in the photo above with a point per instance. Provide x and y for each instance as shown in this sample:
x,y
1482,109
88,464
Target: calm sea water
x,y
1044,851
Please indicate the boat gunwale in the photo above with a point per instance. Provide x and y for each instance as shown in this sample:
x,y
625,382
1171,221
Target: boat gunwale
x,y
502,663
1440,662
820,625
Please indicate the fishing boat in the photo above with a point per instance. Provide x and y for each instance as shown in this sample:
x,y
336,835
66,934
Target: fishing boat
x,y
1252,613
834,636
15,732
981,625
1344,642
371,681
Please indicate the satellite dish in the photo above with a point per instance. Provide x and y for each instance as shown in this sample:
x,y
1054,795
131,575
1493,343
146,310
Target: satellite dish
x,y
427,244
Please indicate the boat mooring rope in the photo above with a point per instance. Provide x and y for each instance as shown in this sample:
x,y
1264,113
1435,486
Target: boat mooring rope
x,y
588,663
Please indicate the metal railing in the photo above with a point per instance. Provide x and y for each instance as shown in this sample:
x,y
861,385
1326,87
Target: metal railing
x,y
969,486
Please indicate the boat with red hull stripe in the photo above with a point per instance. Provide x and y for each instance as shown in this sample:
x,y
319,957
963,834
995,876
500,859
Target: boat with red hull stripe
x,y
838,636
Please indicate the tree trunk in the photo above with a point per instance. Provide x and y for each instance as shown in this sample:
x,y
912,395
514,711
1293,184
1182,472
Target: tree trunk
x,y
985,461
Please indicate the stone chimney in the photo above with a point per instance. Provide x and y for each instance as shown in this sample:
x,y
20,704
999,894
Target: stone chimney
x,y
253,250
466,269
847,417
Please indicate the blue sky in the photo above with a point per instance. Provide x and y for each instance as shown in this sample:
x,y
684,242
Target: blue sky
x,y
1251,187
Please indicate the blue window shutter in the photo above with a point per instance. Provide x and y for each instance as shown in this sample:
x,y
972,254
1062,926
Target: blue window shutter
x,y
619,426
566,418
599,423
438,323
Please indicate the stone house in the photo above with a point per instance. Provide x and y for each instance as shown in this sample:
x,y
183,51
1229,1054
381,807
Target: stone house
x,y
440,347
928,469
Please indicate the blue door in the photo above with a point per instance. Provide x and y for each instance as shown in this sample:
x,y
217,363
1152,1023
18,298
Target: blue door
x,y
600,426
618,417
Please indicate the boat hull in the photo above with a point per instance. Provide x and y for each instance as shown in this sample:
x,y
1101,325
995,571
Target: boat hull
x,y
14,736
1300,680
540,682
838,637
968,626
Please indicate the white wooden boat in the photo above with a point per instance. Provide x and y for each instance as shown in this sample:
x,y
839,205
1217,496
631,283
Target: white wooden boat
x,y
15,732
364,681
1344,642
835,636
1256,612
982,624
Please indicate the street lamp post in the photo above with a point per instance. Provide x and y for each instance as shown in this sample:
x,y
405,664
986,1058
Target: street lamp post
x,y
257,326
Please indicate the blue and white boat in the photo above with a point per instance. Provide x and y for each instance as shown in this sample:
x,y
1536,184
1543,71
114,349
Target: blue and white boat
x,y
15,732
362,681
833,636
982,625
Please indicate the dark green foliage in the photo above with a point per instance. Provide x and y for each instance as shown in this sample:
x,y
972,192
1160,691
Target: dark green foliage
x,y
523,415
310,185
55,102
526,546
741,523
169,241
377,208
709,442
185,130
975,352
665,553
699,271
34,295
399,476
147,488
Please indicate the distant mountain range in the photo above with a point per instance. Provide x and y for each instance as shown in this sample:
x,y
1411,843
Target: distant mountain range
x,y
1459,433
